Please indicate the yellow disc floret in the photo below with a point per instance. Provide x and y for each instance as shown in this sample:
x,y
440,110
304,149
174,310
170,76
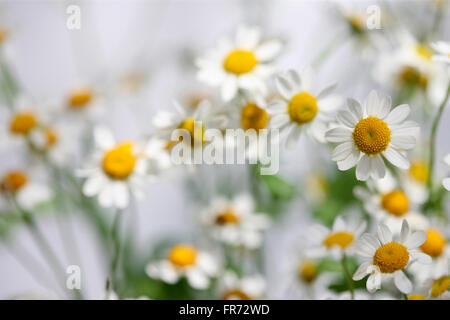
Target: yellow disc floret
x,y
118,163
22,123
236,294
395,202
240,62
254,117
182,255
391,257
371,135
424,51
227,217
13,181
195,128
302,108
435,243
419,171
411,76
341,239
440,286
308,271
416,296
80,98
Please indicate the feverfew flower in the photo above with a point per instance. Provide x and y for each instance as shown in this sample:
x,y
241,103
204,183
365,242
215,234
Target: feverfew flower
x,y
242,63
337,241
301,108
246,288
368,132
387,258
235,222
185,261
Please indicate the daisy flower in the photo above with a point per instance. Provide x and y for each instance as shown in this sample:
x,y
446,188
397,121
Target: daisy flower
x,y
301,108
185,261
439,287
242,63
25,187
370,132
338,240
246,288
116,170
84,101
387,258
235,222
388,203
443,51
446,181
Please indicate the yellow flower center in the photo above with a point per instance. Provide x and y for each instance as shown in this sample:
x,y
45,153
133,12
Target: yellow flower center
x,y
308,271
419,171
395,202
236,295
240,62
254,117
424,51
341,239
302,108
182,255
435,243
195,129
23,123
3,35
391,257
51,137
440,286
410,76
227,217
118,163
356,22
80,98
13,181
416,296
371,135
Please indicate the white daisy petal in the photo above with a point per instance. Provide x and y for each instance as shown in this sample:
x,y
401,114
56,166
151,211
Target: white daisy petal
x,y
347,118
342,151
284,88
339,135
355,108
396,158
377,167
268,50
446,183
405,232
326,91
279,120
363,168
398,114
416,239
276,107
403,142
372,104
294,78
361,272
350,161
420,257
385,107
384,234
402,282
374,282
307,76
229,88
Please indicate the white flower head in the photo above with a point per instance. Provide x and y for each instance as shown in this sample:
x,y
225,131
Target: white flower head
x,y
185,261
366,134
116,170
242,63
85,101
338,240
235,221
302,109
389,203
387,258
246,288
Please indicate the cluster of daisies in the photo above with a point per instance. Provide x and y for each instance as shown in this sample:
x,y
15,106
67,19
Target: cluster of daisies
x,y
391,235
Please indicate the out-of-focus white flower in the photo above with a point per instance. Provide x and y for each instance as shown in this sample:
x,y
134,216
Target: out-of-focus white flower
x,y
25,187
301,108
415,180
235,222
185,261
446,181
443,51
246,288
388,203
116,171
387,258
410,65
368,132
84,101
337,241
242,63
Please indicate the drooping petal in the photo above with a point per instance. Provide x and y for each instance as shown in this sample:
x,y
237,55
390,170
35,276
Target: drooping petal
x,y
361,272
402,282
377,167
363,168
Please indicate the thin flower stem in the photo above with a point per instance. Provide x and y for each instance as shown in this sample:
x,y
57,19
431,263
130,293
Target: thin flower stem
x,y
432,142
348,277
116,245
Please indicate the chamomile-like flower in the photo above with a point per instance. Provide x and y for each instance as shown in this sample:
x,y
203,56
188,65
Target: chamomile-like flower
x,y
338,240
443,51
387,258
390,204
187,261
235,221
117,170
301,108
84,100
370,132
252,287
240,64
25,187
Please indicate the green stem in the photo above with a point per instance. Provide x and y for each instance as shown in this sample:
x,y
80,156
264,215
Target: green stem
x,y
432,150
116,244
348,277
